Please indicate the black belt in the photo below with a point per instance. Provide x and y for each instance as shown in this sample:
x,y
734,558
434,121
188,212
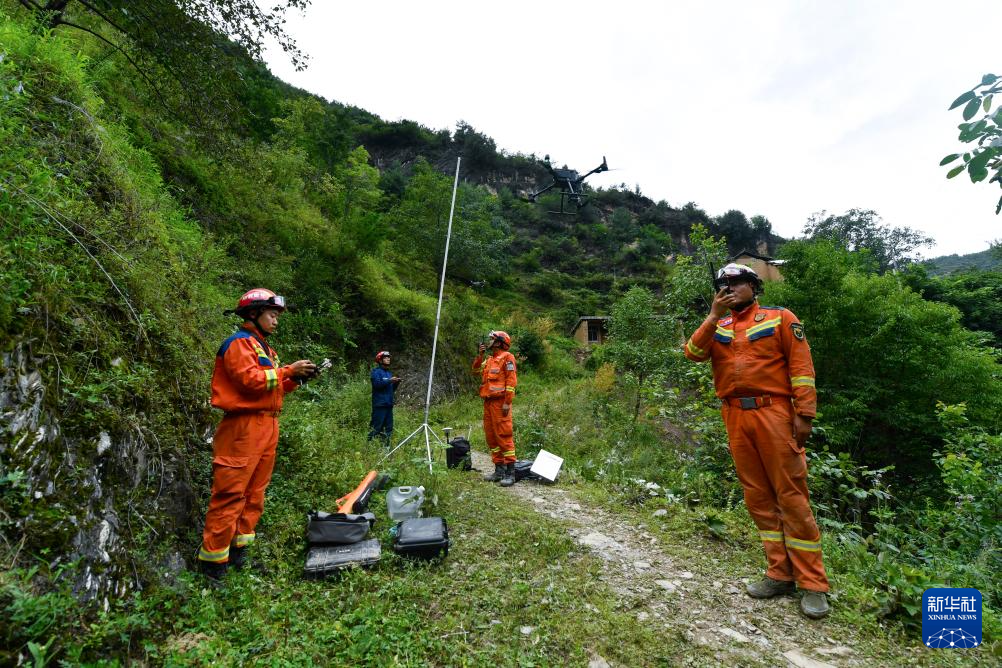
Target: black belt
x,y
752,403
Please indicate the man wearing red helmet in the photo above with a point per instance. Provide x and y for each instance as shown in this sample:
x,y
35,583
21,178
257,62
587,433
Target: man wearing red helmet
x,y
384,386
764,376
248,384
497,388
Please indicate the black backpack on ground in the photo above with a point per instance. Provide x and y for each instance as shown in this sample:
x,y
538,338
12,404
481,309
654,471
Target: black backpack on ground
x,y
523,472
457,455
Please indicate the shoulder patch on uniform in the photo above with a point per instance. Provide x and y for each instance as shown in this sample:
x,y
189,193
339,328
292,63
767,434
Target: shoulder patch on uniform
x,y
510,366
798,330
726,321
239,334
759,317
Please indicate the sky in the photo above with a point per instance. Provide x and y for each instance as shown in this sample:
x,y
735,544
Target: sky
x,y
781,108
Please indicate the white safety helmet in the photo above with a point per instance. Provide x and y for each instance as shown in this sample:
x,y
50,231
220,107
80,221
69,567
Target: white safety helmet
x,y
735,270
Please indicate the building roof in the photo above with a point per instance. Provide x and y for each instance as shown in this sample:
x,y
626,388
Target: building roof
x,y
764,258
589,317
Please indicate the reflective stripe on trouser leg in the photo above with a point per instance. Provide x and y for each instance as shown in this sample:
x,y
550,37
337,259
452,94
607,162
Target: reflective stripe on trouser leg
x,y
773,473
490,435
502,428
243,539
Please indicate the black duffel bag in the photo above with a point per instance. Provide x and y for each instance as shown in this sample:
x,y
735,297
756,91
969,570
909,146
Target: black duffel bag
x,y
457,455
523,470
337,528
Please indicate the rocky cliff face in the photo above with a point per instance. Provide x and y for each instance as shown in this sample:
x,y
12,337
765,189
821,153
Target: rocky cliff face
x,y
107,506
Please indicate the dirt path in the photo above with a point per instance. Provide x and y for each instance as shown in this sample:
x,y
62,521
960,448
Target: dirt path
x,y
693,599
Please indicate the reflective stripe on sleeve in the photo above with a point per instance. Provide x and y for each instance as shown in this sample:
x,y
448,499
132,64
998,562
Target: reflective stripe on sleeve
x,y
802,381
272,376
694,349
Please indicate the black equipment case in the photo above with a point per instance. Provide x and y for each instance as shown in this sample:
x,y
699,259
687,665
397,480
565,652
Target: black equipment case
x,y
337,528
457,455
422,538
323,560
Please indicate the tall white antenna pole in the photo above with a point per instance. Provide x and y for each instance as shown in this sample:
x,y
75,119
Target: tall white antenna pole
x,y
434,344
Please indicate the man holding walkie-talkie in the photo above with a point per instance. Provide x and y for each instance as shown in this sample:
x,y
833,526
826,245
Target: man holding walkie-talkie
x,y
248,385
764,376
497,388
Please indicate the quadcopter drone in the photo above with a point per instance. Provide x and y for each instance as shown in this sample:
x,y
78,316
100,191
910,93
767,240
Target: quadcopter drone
x,y
570,183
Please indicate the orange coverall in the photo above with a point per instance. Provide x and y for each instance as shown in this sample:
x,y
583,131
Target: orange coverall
x,y
248,384
760,354
497,387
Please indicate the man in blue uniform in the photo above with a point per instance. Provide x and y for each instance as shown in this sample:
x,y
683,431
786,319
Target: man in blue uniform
x,y
384,385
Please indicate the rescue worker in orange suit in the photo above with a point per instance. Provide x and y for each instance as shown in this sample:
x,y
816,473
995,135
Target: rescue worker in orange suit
x,y
497,388
248,384
764,376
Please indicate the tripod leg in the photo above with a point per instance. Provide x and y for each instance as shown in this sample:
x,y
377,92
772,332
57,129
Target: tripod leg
x,y
412,435
427,444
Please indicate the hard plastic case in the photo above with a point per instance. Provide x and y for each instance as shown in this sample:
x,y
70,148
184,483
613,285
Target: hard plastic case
x,y
324,560
422,538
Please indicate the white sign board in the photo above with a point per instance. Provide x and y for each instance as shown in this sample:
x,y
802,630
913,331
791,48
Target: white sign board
x,y
547,465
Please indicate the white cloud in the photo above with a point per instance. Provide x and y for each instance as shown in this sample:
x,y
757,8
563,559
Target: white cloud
x,y
780,109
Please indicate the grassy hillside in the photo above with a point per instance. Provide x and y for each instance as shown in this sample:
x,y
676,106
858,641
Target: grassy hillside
x,y
129,226
986,260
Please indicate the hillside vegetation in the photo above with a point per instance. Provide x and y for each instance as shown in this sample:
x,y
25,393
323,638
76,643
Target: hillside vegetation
x,y
130,222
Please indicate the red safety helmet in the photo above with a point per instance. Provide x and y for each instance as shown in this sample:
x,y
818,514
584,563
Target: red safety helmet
x,y
258,298
381,354
505,339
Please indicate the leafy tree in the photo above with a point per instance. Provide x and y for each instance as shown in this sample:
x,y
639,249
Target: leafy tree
x,y
479,150
352,197
734,226
861,230
884,357
689,288
977,294
189,43
639,338
762,226
985,158
480,236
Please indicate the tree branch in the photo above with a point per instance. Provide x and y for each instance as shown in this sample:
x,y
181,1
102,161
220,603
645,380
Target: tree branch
x,y
106,19
124,54
30,4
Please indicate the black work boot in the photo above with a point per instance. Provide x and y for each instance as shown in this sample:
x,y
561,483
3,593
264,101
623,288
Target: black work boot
x,y
497,475
213,570
238,557
814,604
509,476
768,588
